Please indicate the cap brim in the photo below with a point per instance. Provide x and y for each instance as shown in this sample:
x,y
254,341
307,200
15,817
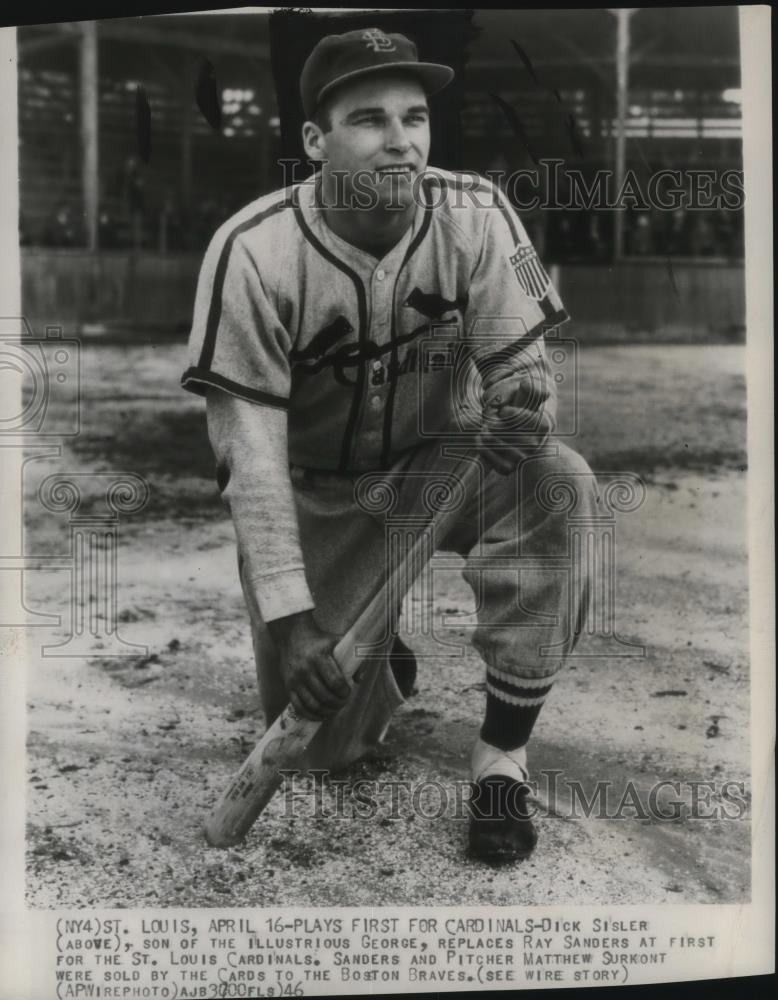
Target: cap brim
x,y
433,76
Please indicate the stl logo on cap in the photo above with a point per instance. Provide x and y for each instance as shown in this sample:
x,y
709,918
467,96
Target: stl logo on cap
x,y
375,39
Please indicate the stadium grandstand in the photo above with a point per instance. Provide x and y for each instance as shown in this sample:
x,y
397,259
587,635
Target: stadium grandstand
x,y
112,229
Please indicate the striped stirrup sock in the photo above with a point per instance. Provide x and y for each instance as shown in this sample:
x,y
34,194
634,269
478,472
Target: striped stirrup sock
x,y
512,706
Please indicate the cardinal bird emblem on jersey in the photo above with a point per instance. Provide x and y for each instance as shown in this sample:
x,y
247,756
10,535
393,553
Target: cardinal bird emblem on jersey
x,y
530,272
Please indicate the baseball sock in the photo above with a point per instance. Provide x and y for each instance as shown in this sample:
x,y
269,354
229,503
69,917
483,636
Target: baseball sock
x,y
486,761
512,707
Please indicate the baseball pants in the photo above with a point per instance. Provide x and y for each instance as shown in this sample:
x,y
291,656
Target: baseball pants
x,y
513,535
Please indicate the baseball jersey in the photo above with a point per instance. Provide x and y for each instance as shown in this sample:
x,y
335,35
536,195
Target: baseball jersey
x,y
371,357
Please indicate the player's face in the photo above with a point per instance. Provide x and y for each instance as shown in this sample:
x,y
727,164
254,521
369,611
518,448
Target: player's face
x,y
379,139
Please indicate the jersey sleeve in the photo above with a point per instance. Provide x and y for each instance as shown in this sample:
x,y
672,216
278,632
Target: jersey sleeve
x,y
237,343
511,295
511,303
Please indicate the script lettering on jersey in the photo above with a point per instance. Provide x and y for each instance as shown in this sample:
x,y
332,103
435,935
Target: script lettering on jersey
x,y
326,349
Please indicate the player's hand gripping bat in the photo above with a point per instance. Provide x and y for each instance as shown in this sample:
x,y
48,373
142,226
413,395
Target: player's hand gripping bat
x,y
284,743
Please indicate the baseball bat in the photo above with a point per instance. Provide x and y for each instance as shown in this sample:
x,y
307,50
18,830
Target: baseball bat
x,y
284,743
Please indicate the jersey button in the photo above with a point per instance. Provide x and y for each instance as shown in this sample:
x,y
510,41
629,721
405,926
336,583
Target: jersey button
x,y
375,402
380,274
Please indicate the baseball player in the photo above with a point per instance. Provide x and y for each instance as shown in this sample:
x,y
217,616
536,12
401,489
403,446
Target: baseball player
x,y
347,327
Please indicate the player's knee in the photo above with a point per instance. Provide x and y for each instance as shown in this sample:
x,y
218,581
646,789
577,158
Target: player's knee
x,y
557,460
567,462
561,476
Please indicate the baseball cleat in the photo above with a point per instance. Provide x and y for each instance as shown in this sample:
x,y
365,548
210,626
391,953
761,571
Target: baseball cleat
x,y
403,664
501,828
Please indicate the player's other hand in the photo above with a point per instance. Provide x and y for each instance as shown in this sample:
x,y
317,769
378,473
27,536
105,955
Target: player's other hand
x,y
314,681
515,423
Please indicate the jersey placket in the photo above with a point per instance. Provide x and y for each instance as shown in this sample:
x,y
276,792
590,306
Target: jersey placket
x,y
368,438
383,282
379,278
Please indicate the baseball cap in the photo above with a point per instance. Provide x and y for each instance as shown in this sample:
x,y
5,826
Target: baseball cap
x,y
354,54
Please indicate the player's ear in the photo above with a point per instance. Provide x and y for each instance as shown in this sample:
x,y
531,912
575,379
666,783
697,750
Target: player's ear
x,y
314,142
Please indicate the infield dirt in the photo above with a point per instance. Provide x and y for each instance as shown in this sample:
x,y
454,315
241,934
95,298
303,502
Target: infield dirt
x,y
125,756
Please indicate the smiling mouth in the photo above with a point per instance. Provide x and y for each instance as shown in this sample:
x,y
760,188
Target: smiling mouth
x,y
403,170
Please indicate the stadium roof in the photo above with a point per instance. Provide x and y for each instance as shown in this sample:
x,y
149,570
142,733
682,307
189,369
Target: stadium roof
x,y
692,44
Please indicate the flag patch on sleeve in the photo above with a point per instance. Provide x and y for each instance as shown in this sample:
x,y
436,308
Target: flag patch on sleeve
x,y
530,272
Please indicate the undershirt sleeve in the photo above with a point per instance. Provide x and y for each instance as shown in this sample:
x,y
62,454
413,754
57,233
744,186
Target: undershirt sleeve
x,y
250,445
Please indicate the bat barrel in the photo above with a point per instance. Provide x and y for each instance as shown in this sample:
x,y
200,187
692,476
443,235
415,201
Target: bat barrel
x,y
279,750
238,808
282,746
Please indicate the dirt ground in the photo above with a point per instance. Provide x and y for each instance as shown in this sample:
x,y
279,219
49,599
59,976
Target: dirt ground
x,y
125,756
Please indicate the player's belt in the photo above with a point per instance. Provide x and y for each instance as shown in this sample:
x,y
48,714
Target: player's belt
x,y
303,476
